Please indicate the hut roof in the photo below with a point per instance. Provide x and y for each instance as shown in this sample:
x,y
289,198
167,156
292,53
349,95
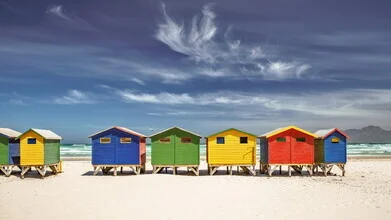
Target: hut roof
x,y
327,132
177,128
126,130
9,133
46,134
280,130
229,130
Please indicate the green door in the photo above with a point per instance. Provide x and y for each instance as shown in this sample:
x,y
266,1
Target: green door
x,y
162,149
4,151
187,148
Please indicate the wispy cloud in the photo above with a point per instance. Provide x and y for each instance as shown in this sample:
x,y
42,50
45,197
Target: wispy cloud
x,y
77,22
74,97
138,81
17,102
196,42
343,103
199,42
58,10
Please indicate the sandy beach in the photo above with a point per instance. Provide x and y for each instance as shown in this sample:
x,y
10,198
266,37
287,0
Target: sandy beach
x,y
364,193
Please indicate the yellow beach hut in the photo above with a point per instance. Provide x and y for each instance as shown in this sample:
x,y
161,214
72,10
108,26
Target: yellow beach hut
x,y
231,147
40,149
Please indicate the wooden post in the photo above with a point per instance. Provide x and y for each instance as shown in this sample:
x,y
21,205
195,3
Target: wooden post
x,y
115,170
280,170
289,171
174,170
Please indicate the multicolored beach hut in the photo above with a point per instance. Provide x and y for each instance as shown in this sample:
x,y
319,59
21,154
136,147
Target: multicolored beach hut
x,y
175,147
118,147
9,150
231,147
330,149
40,148
291,146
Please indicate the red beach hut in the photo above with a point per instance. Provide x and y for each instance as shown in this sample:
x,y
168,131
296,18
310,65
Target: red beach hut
x,y
291,146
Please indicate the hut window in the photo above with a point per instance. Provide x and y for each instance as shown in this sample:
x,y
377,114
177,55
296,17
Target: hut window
x,y
300,139
220,140
125,140
165,140
31,141
243,140
335,140
281,139
105,140
185,140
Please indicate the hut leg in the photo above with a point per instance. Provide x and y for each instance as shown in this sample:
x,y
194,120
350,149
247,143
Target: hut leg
x,y
24,171
230,170
137,170
6,170
166,169
289,171
237,169
121,170
174,170
280,170
213,170
41,170
115,170
309,169
269,170
329,170
227,170
324,169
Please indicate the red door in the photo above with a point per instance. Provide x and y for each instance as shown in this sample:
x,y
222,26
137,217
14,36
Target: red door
x,y
302,148
280,148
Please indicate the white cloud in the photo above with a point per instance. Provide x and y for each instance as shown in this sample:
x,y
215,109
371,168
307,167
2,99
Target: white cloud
x,y
284,70
196,42
58,10
74,97
138,81
333,104
77,22
17,102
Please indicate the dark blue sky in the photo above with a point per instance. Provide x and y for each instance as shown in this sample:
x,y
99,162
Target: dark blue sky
x,y
77,67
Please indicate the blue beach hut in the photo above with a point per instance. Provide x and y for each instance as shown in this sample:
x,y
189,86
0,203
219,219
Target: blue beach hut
x,y
330,149
118,147
9,150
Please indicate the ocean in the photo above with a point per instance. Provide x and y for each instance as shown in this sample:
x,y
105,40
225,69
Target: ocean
x,y
84,150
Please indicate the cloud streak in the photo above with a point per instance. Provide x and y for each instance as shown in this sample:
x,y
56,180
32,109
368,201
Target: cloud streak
x,y
342,104
198,42
74,97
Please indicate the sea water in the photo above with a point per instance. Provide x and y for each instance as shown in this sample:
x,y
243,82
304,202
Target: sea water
x,y
84,150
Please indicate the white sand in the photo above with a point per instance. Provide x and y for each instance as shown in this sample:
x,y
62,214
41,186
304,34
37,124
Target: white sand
x,y
365,193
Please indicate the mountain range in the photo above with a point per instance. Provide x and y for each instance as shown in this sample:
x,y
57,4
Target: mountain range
x,y
369,134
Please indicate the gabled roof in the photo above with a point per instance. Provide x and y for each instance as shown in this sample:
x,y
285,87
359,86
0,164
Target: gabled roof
x,y
9,133
176,128
280,130
229,129
46,134
126,130
327,132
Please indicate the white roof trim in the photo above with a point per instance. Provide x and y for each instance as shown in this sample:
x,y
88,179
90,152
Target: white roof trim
x,y
9,132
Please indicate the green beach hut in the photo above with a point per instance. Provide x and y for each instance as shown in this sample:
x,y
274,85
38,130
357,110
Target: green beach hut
x,y
175,147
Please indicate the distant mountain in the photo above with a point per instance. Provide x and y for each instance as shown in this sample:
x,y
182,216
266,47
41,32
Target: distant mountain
x,y
369,134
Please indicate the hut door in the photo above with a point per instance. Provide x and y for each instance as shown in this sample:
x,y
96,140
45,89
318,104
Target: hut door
x,y
279,148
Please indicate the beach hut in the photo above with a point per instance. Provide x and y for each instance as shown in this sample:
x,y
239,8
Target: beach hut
x,y
9,150
291,146
330,149
175,147
231,147
40,149
118,147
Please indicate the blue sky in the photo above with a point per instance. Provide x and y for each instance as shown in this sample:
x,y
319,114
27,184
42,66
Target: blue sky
x,y
77,67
